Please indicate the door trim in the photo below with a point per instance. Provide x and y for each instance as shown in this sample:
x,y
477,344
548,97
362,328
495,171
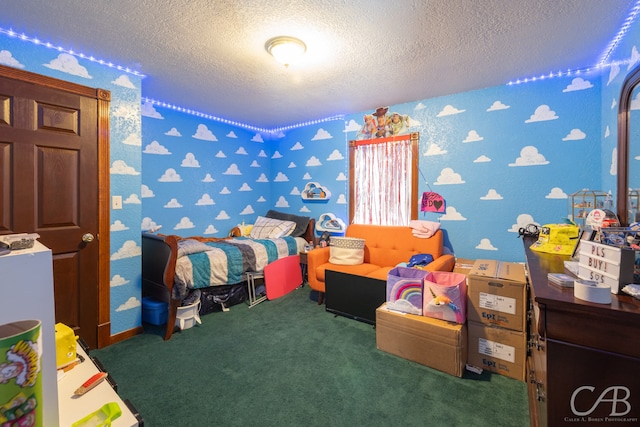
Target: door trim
x,y
103,98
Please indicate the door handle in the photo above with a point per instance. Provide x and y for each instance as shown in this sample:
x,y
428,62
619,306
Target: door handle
x,y
87,237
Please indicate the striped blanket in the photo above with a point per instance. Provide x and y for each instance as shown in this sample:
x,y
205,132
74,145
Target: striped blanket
x,y
225,262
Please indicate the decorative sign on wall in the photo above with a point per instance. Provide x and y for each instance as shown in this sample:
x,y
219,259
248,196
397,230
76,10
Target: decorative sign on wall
x,y
382,124
432,202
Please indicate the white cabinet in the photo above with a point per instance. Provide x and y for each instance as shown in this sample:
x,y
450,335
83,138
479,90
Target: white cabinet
x,y
26,293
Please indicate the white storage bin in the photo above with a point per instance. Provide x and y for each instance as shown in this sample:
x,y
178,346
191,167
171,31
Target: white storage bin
x,y
188,315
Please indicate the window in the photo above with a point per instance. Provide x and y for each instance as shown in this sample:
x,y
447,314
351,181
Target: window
x,y
383,180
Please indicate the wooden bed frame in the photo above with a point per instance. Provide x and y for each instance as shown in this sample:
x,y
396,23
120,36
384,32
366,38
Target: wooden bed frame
x,y
159,255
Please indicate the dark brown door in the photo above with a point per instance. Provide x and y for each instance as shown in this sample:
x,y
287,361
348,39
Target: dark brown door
x,y
49,186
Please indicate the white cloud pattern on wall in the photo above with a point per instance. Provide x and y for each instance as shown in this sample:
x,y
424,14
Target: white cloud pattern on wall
x,y
257,138
578,84
313,161
118,226
297,146
282,202
129,249
556,193
497,106
482,159
341,177
148,110
205,200
280,177
352,126
204,133
451,214
170,175
208,178
173,132
120,167
485,245
145,192
133,199
184,223
449,110
248,210
245,187
521,222
321,134
190,161
222,216
276,155
262,178
133,139
68,64
225,190
7,58
448,176
172,204
232,170
148,224
575,135
118,280
210,229
335,155
473,136
131,303
124,81
542,113
434,150
529,156
232,134
242,151
492,194
156,148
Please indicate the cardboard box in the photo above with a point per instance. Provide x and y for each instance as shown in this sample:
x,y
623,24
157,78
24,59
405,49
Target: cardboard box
x,y
497,294
463,266
431,342
496,349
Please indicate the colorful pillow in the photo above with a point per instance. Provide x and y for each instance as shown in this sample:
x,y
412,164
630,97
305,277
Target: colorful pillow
x,y
302,222
269,228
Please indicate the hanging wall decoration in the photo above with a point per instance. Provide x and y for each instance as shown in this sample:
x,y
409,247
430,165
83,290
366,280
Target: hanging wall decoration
x,y
432,202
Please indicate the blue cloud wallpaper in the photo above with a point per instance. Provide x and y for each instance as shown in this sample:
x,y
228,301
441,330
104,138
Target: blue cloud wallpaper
x,y
501,158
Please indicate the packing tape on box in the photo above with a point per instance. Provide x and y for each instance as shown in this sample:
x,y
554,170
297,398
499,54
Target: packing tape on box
x,y
591,291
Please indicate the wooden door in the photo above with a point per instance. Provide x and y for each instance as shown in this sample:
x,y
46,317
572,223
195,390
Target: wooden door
x,y
50,184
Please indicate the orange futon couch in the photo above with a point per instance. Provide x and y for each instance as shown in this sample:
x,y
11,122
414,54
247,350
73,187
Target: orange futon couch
x,y
385,247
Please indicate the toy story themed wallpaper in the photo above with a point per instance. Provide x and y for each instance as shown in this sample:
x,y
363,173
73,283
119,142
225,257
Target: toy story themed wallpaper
x,y
497,159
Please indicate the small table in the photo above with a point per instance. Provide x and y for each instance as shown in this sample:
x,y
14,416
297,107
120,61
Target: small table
x,y
251,287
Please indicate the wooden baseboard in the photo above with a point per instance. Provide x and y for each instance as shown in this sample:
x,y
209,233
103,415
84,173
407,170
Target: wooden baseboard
x,y
126,334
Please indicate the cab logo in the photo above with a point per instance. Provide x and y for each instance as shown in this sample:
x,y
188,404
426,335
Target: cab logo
x,y
616,395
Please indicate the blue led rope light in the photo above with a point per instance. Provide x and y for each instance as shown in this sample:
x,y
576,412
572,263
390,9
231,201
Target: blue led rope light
x,y
611,47
91,58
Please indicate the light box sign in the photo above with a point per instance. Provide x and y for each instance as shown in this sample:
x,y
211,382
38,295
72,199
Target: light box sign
x,y
606,264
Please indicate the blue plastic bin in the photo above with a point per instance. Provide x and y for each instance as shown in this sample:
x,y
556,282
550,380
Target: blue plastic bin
x,y
154,311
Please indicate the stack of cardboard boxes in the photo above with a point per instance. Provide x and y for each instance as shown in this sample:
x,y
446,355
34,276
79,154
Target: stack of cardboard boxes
x,y
496,317
493,339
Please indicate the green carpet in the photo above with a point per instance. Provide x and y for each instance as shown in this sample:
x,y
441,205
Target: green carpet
x,y
288,362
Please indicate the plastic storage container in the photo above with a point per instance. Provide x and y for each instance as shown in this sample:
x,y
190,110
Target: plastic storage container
x,y
188,315
154,311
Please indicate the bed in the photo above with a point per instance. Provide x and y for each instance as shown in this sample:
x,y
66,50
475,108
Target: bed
x,y
173,265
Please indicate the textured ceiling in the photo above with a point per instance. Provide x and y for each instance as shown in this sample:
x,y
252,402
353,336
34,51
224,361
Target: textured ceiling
x,y
209,55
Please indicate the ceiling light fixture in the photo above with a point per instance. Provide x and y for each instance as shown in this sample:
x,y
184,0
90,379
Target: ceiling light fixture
x,y
286,50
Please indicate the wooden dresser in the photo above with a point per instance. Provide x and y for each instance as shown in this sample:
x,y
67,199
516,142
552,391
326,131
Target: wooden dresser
x,y
583,362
